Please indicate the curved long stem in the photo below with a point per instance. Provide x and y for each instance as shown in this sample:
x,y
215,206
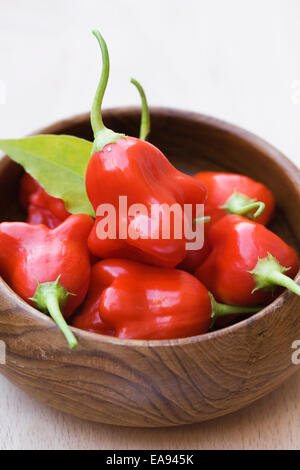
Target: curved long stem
x,y
145,119
102,134
54,310
50,297
96,115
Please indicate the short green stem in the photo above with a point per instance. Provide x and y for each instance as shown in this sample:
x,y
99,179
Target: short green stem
x,y
102,134
145,119
269,273
204,220
221,310
50,297
241,204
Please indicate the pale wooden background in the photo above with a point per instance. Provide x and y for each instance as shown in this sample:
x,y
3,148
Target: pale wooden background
x,y
237,60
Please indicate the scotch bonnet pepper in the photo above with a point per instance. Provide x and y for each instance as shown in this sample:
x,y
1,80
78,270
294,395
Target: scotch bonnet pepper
x,y
131,167
130,300
247,263
49,268
194,258
229,193
40,206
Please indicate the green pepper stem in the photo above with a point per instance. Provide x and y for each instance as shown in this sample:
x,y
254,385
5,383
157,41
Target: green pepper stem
x,y
280,279
269,273
54,311
102,134
49,297
96,115
241,204
220,310
250,207
145,119
204,219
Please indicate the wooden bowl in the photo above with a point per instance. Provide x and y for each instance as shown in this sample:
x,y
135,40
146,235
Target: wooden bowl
x,y
161,383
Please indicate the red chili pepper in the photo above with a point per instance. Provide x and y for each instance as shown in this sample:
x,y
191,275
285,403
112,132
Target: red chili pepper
x,y
41,207
247,263
131,300
131,167
194,258
33,258
229,193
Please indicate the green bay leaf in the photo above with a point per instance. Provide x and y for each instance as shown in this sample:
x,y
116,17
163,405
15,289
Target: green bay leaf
x,y
58,163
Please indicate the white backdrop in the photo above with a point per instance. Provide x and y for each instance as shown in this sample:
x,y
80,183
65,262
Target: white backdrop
x,y
236,60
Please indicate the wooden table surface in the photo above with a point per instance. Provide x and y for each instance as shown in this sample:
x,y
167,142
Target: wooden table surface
x,y
239,61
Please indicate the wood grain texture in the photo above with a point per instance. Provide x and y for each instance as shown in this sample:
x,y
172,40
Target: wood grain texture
x,y
163,383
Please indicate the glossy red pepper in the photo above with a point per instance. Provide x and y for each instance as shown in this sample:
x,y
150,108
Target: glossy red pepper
x,y
247,263
194,258
229,193
131,167
49,267
40,206
135,301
